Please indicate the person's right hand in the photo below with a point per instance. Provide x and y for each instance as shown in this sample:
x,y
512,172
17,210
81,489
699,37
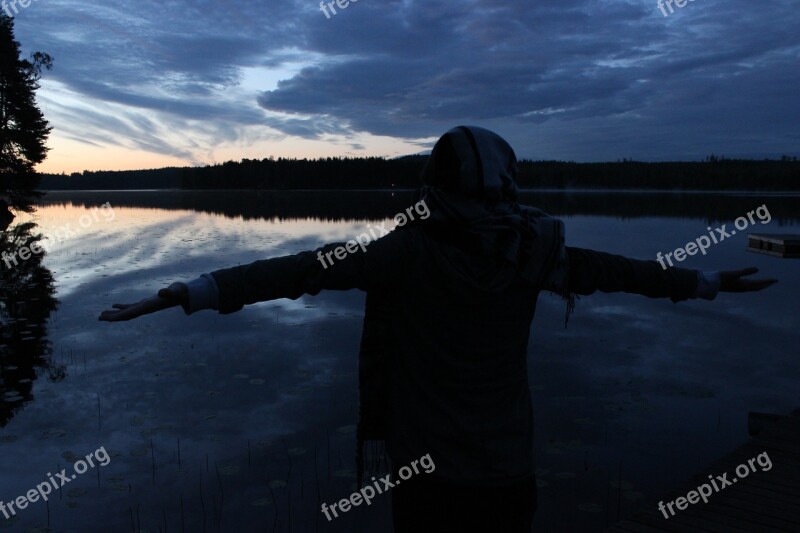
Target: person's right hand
x,y
174,295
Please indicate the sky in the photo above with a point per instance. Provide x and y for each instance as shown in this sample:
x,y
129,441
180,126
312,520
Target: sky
x,y
149,84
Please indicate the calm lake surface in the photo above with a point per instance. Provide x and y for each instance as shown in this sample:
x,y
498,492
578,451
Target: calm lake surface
x,y
246,422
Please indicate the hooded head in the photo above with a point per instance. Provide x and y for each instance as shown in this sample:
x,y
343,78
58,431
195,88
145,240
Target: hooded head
x,y
470,190
473,162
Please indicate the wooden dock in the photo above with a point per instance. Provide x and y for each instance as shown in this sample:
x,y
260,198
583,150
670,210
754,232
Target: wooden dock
x,y
762,501
786,246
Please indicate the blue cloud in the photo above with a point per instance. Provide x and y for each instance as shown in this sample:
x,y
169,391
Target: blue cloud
x,y
576,79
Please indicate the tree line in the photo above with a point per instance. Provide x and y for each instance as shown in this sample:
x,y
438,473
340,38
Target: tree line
x,y
351,173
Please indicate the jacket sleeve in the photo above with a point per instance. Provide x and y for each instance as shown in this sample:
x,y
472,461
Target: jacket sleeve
x,y
355,267
590,271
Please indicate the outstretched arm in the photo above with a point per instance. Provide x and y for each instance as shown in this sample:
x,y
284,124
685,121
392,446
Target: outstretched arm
x,y
590,271
173,296
290,276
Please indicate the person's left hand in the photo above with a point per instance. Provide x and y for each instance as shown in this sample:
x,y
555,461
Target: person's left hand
x,y
174,295
737,281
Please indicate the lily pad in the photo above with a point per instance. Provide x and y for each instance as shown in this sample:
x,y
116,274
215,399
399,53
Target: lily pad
x,y
71,457
53,432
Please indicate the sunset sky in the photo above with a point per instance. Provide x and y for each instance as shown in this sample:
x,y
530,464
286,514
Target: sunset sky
x,y
148,84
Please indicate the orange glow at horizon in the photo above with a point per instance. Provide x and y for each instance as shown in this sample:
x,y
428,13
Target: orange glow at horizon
x,y
68,155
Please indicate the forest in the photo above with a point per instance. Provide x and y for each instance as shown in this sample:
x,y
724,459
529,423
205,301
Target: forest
x,y
371,173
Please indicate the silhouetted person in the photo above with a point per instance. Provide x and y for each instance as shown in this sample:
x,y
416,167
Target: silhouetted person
x,y
450,301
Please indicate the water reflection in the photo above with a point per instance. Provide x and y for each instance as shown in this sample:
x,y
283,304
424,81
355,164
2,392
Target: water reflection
x,y
26,301
245,422
377,205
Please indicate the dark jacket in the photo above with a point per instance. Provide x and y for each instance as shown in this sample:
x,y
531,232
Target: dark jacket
x,y
458,380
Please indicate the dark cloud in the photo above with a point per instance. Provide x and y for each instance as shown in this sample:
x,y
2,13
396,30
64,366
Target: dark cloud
x,y
575,79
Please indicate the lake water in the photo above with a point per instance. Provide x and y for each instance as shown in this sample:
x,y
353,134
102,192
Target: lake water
x,y
246,422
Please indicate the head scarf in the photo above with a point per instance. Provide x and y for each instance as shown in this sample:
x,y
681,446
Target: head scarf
x,y
469,185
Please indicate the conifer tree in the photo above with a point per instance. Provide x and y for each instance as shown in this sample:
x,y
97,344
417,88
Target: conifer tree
x,y
23,128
